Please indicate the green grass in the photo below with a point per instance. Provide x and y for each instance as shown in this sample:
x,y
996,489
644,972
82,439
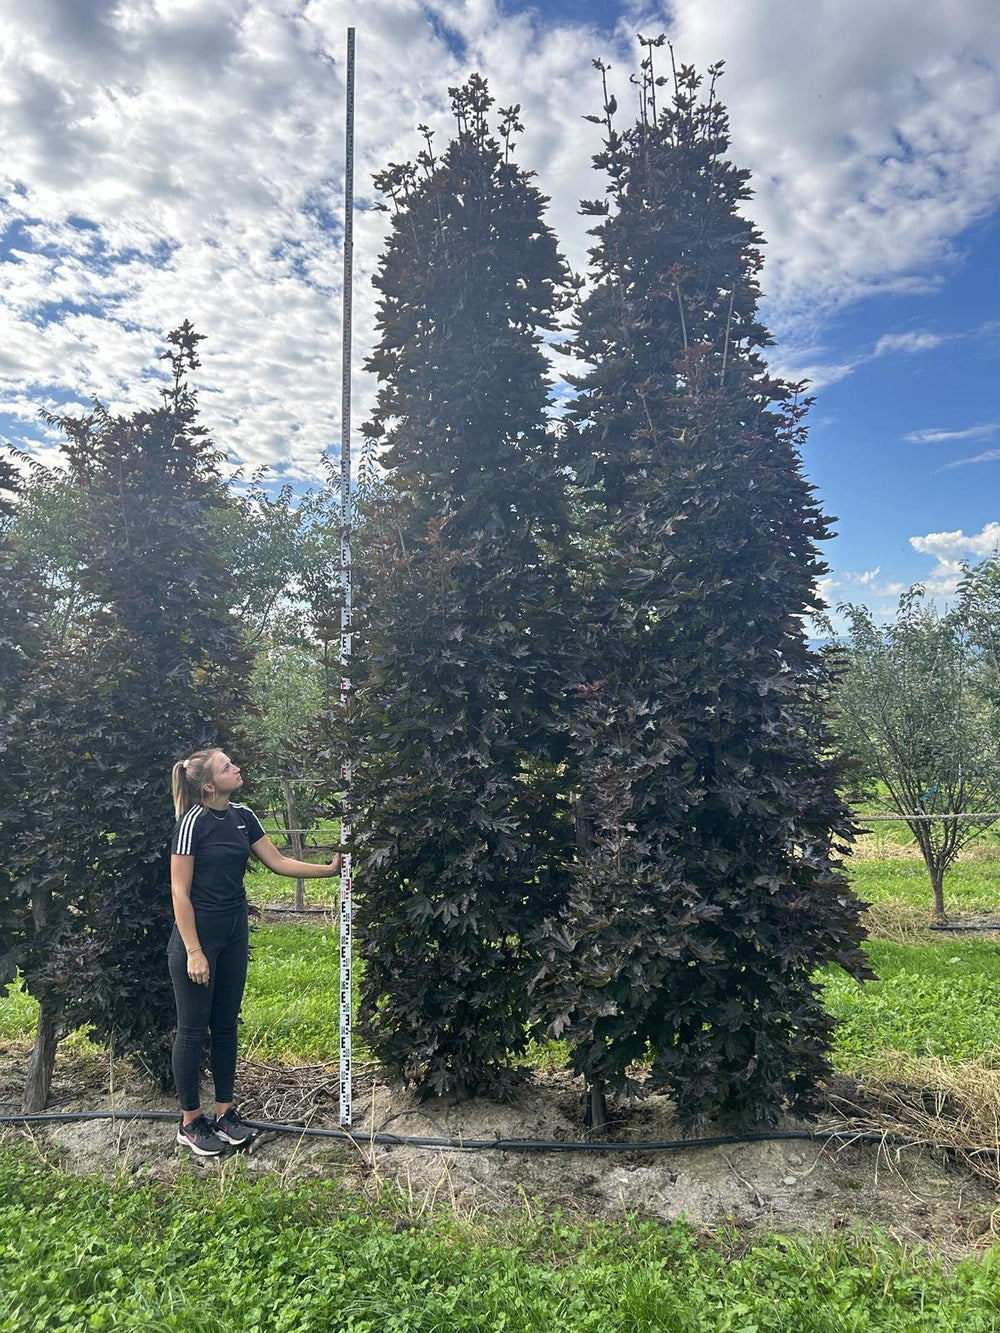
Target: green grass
x,y
940,999
290,1011
969,886
223,1254
264,887
18,1012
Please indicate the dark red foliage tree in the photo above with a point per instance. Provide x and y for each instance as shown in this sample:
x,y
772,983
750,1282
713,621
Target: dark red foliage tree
x,y
22,643
711,888
158,664
458,726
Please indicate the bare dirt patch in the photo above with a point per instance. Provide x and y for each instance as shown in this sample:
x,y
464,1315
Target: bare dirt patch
x,y
919,1195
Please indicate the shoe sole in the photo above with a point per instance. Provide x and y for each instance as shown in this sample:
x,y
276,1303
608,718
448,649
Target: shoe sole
x,y
227,1138
202,1152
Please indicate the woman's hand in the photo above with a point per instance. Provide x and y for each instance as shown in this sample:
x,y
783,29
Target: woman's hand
x,y
198,969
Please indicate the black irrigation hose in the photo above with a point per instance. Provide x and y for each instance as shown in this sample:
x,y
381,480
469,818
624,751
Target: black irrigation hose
x,y
518,1145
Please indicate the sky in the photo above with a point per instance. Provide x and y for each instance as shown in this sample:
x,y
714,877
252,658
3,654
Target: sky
x,y
172,159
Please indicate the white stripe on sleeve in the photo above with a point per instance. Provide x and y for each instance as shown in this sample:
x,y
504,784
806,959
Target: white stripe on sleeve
x,y
185,836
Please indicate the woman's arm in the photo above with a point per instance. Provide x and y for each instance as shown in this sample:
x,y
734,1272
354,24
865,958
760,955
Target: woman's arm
x,y
265,851
181,872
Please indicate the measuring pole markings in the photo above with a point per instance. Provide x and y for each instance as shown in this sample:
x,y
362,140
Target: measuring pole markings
x,y
346,913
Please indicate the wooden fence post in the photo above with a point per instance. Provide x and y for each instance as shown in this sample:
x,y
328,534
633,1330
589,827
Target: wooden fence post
x,y
295,838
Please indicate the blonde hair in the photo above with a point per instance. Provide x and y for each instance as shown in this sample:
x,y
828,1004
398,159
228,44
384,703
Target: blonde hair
x,y
189,777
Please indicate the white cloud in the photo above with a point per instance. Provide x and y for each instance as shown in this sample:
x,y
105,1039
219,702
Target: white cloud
x,y
958,543
818,374
826,589
872,130
850,586
866,579
790,364
982,432
203,145
949,550
990,456
907,342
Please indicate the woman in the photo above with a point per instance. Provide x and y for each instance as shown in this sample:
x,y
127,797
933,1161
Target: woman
x,y
208,947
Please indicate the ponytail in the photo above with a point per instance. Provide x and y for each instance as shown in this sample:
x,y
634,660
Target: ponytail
x,y
188,779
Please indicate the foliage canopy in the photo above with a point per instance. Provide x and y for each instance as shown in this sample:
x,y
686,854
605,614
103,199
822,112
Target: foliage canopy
x,y
710,889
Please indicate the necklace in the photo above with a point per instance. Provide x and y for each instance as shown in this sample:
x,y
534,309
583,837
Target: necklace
x,y
224,815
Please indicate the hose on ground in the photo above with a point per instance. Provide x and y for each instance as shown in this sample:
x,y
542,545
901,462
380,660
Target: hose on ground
x,y
846,1136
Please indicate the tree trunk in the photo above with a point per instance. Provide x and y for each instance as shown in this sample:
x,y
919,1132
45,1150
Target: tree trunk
x,y
596,1116
937,884
41,1064
295,838
43,1053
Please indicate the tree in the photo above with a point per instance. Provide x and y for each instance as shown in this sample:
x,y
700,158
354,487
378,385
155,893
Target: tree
x,y
159,665
915,709
286,548
47,528
287,686
710,888
22,643
461,630
979,610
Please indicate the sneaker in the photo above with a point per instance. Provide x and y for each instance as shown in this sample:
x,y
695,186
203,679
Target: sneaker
x,y
232,1128
200,1138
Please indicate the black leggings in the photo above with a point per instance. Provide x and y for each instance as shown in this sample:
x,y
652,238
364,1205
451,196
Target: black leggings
x,y
215,1007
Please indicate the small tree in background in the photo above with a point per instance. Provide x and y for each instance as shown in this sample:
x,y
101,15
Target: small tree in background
x,y
710,890
46,527
159,665
915,709
462,617
284,547
979,610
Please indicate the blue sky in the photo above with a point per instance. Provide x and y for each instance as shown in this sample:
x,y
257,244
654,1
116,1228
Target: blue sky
x,y
165,159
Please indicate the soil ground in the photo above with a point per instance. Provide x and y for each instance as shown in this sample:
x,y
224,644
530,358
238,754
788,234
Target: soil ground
x,y
918,1195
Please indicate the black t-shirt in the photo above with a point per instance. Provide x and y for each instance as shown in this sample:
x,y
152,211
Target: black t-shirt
x,y
220,845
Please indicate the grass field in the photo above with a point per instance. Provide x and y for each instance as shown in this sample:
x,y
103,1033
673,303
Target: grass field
x,y
85,1254
229,1252
970,886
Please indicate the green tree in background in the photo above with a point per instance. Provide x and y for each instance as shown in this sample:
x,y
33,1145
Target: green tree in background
x,y
710,888
979,609
918,709
47,527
